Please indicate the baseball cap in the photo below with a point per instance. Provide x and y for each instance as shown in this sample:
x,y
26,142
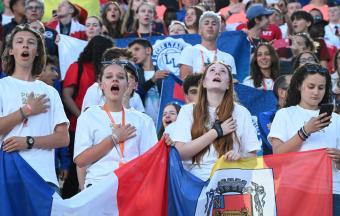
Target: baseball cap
x,y
258,10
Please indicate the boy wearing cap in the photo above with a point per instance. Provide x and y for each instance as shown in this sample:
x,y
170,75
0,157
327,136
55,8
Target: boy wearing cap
x,y
270,31
258,22
193,59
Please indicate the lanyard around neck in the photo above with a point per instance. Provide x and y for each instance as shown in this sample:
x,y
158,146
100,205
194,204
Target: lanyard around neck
x,y
202,59
121,144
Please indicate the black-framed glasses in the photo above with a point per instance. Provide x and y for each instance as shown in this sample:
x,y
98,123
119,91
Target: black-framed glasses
x,y
124,63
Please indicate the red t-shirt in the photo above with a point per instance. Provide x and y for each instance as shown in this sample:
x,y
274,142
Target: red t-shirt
x,y
273,32
88,77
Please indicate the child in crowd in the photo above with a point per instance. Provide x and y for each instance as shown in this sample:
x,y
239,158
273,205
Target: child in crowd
x,y
33,121
109,135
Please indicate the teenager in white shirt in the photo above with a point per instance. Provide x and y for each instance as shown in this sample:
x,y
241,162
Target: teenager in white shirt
x,y
336,76
264,68
299,127
215,126
332,30
194,58
108,136
32,117
94,95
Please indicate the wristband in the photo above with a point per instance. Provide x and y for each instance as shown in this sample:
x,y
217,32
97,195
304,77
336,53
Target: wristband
x,y
29,109
23,115
217,127
114,138
304,131
301,136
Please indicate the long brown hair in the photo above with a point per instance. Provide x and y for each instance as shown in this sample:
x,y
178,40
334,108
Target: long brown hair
x,y
223,112
255,71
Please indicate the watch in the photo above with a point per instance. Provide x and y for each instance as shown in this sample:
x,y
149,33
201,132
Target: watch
x,y
30,142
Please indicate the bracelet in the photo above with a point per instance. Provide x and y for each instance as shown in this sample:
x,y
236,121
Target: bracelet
x,y
114,138
304,131
217,127
29,109
301,137
23,115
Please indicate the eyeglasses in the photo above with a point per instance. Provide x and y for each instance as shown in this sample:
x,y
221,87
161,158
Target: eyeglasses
x,y
33,8
307,60
124,63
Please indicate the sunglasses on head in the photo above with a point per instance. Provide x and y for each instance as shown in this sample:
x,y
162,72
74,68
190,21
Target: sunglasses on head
x,y
315,68
124,63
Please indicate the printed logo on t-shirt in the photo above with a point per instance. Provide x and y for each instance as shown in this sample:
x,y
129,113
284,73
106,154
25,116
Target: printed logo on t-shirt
x,y
166,53
24,96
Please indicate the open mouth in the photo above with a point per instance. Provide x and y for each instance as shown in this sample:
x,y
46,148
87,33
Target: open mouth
x,y
115,88
168,122
217,80
25,54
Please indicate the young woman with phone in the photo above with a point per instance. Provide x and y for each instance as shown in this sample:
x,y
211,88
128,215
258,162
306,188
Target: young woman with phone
x,y
300,126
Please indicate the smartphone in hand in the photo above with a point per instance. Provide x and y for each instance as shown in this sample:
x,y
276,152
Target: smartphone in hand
x,y
326,108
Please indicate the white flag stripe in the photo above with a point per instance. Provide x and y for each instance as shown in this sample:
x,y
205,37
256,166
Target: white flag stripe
x,y
98,200
69,49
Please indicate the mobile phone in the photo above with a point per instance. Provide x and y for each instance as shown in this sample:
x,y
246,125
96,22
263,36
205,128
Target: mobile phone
x,y
326,108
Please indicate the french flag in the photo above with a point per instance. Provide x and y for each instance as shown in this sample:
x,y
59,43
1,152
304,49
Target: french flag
x,y
294,184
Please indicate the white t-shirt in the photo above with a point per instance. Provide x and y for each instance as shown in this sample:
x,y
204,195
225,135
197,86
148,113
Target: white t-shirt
x,y
151,100
13,95
6,19
267,84
245,132
192,56
335,79
288,121
94,96
94,125
284,30
330,37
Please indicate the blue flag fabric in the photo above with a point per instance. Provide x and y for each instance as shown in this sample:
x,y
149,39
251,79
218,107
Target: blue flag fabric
x,y
22,191
232,42
171,92
184,188
255,100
